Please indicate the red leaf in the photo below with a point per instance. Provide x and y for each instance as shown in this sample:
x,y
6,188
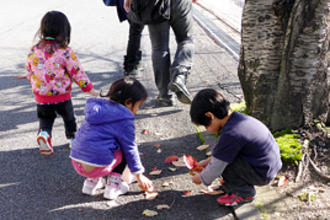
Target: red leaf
x,y
190,161
172,158
145,131
154,169
282,181
157,145
187,193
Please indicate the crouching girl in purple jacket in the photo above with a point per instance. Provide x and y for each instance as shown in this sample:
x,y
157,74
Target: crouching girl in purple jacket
x,y
105,142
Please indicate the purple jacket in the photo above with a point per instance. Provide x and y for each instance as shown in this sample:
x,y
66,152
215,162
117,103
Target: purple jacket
x,y
108,127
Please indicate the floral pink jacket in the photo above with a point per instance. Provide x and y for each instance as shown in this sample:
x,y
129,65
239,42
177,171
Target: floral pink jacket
x,y
51,69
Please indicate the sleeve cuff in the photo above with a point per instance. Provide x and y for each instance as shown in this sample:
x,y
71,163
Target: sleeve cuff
x,y
88,88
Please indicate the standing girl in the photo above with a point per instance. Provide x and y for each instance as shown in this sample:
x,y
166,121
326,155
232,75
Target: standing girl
x,y
52,66
105,142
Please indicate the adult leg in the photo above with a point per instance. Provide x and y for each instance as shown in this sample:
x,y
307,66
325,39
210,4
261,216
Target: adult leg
x,y
65,109
182,23
161,61
239,177
133,52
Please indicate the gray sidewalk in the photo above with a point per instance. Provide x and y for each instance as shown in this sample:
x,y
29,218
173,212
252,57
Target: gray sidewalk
x,y
35,187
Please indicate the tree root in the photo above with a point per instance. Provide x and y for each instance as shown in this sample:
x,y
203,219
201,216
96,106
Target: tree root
x,y
317,170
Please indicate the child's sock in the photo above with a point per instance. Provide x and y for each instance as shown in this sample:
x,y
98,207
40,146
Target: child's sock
x,y
115,186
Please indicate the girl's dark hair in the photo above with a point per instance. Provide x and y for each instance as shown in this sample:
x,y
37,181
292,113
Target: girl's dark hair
x,y
55,25
126,89
208,100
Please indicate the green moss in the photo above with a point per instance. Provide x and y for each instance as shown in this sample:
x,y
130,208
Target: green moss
x,y
239,107
260,207
305,197
289,145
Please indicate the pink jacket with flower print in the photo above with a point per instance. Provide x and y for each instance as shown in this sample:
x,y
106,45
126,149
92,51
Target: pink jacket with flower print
x,y
51,69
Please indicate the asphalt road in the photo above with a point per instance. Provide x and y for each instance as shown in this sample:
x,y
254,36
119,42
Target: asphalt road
x,y
36,187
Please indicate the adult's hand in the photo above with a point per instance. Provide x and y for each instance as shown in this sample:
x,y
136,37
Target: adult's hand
x,y
126,5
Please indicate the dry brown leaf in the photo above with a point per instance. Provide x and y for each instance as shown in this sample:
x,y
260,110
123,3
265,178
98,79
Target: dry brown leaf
x,y
149,213
162,206
212,191
150,195
179,163
155,172
203,147
167,183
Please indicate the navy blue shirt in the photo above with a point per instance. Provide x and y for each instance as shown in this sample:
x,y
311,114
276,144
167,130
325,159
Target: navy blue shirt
x,y
246,137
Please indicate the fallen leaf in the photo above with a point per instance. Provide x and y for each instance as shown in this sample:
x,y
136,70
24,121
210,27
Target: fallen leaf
x,y
159,150
172,169
157,145
155,172
162,206
187,193
203,147
190,161
211,191
198,169
172,158
154,169
150,195
192,173
179,163
149,213
145,131
282,181
167,183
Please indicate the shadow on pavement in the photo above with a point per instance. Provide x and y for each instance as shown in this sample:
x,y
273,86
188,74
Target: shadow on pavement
x,y
37,187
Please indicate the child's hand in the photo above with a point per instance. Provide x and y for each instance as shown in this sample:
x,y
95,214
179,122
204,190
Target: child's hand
x,y
144,182
196,179
21,77
204,163
93,93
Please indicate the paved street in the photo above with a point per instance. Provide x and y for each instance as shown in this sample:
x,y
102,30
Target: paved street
x,y
36,187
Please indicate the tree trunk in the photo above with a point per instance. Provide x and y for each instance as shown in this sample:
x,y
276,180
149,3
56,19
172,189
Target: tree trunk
x,y
284,60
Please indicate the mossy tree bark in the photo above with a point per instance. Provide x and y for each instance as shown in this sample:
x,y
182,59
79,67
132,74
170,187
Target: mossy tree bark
x,y
284,61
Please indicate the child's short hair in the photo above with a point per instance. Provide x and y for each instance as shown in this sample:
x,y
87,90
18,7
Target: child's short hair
x,y
208,100
126,89
56,25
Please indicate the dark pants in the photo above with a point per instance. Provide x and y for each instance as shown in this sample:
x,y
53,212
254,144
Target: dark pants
x,y
181,22
121,167
47,115
240,178
133,52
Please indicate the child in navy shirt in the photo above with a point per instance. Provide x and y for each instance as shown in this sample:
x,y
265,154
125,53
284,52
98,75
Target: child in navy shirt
x,y
245,155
